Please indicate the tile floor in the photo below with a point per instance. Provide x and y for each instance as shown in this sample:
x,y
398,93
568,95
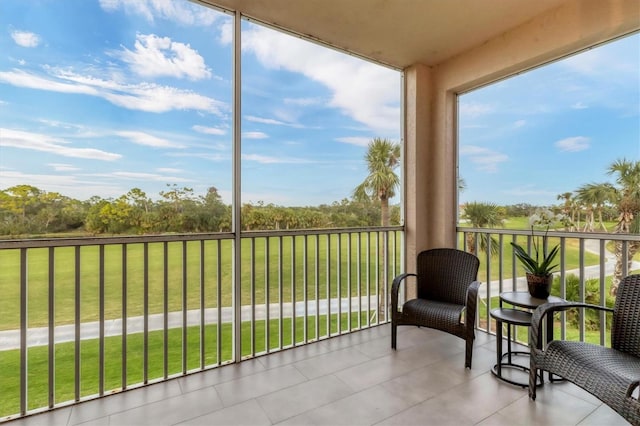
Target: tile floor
x,y
354,379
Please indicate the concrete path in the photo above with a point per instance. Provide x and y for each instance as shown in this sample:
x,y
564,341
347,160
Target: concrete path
x,y
39,336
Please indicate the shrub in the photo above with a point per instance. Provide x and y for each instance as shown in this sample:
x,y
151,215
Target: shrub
x,y
591,296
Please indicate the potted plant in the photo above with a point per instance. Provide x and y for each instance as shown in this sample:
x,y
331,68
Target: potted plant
x,y
539,264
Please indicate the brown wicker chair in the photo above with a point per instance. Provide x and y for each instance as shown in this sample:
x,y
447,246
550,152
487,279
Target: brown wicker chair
x,y
446,288
612,374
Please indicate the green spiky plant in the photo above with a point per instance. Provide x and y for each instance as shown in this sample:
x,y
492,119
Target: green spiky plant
x,y
540,262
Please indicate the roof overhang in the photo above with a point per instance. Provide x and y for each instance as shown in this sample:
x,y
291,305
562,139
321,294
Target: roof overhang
x,y
397,33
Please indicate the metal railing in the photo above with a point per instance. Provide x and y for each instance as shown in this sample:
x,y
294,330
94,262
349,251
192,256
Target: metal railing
x,y
587,264
86,317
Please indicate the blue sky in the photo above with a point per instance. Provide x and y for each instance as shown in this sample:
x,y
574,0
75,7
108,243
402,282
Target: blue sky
x,y
552,129
138,93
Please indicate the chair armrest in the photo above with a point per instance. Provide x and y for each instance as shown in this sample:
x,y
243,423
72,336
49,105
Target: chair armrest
x,y
535,332
471,303
395,287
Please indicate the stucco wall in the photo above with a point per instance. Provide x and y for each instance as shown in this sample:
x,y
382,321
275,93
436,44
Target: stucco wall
x,y
430,103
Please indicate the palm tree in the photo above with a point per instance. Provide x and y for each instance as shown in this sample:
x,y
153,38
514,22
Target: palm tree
x,y
628,203
568,209
482,215
383,156
595,196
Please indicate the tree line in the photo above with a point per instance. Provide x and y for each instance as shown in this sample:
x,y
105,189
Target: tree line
x,y
26,210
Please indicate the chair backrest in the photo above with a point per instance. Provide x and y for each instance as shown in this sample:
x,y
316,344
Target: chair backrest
x,y
625,329
445,274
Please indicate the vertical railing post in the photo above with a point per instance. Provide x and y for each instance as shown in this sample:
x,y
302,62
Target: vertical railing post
x,y
202,307
101,321
293,290
52,325
280,293
123,378
317,285
252,271
77,325
145,314
359,278
328,279
219,304
165,309
23,331
339,280
305,282
185,346
267,295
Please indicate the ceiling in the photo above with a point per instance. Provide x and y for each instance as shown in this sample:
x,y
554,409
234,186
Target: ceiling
x,y
398,33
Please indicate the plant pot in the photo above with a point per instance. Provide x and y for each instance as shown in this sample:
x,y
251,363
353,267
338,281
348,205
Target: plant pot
x,y
539,285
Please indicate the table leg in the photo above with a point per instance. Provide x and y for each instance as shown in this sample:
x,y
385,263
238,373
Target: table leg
x,y
499,348
509,342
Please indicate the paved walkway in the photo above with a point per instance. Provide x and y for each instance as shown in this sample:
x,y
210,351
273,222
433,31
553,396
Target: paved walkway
x,y
39,336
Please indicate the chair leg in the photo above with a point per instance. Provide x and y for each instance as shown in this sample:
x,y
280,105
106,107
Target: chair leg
x,y
533,378
468,353
394,334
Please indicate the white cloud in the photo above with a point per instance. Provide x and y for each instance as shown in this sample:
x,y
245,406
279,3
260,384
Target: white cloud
x,y
209,130
60,167
201,156
25,38
573,144
264,120
526,191
141,96
180,11
27,140
366,92
144,177
155,56
579,105
254,135
355,140
142,138
303,101
519,123
263,159
168,170
70,185
484,158
475,109
226,32
586,63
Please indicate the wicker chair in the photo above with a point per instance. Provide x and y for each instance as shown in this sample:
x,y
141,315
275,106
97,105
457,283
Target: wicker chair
x,y
446,288
611,374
